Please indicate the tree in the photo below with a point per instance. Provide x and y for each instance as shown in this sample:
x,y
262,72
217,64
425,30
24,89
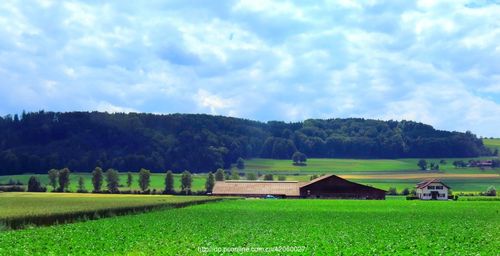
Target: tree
x,y
144,179
240,163
53,173
281,177
210,183
268,177
422,164
235,175
81,185
392,191
405,192
130,179
251,176
34,185
169,182
186,181
97,177
495,152
299,158
113,181
64,180
491,191
219,175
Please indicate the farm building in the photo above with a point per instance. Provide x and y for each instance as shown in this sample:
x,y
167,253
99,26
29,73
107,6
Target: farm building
x,y
328,186
432,189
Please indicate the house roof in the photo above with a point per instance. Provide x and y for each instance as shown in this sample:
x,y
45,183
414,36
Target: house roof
x,y
287,188
426,183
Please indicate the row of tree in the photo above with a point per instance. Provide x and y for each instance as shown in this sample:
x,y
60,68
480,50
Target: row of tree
x,y
59,180
37,142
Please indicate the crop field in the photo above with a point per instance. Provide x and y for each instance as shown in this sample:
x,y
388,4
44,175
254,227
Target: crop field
x,y
47,208
319,227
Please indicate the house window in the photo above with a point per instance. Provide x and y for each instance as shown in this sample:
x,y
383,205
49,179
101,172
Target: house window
x,y
439,187
430,187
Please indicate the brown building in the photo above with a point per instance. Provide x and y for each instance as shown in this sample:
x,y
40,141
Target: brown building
x,y
328,186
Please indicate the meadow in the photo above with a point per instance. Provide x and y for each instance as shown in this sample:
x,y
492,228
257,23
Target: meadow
x,y
319,227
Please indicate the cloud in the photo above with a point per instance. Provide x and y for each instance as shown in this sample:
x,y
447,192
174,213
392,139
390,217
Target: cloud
x,y
435,62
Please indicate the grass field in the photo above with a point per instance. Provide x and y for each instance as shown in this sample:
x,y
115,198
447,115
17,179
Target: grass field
x,y
157,181
492,143
349,166
312,227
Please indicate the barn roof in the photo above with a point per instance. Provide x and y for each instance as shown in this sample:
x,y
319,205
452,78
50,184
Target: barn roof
x,y
426,183
230,187
286,188
339,178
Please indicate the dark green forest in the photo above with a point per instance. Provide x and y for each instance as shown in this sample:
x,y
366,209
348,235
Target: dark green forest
x,y
37,142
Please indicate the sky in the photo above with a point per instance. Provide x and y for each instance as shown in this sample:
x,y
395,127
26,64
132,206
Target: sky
x,y
436,62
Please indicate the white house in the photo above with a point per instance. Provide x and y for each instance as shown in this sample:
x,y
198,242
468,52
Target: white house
x,y
432,189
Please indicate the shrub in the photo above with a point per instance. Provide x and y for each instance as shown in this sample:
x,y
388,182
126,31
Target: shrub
x,y
251,176
405,192
491,191
392,191
268,177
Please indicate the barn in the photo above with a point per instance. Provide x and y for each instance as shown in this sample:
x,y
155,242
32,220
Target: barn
x,y
328,186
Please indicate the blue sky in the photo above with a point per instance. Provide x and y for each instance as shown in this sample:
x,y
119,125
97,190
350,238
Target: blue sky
x,y
437,62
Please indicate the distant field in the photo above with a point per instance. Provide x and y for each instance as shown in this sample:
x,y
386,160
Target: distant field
x,y
348,166
492,143
312,227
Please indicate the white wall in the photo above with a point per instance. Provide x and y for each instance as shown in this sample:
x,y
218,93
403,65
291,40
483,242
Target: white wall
x,y
425,193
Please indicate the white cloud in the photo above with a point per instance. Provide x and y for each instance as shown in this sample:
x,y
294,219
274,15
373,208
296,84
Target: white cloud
x,y
430,61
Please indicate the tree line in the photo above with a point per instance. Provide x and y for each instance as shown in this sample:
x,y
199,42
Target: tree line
x,y
60,180
39,141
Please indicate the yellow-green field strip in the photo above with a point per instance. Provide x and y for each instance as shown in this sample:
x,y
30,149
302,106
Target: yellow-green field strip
x,y
42,209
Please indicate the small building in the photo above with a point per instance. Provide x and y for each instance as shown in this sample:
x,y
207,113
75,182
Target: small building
x,y
432,189
328,186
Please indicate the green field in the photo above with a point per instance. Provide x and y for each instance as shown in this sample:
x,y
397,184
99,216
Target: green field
x,y
492,143
157,181
350,166
312,227
385,173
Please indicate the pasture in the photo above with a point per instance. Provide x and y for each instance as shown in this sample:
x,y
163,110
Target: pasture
x,y
492,143
350,166
319,227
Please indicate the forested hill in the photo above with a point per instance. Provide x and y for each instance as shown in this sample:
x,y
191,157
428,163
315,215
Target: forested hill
x,y
81,141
